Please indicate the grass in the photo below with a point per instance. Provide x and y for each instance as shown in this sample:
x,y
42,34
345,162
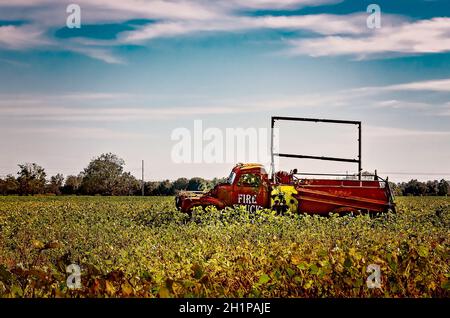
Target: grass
x,y
143,247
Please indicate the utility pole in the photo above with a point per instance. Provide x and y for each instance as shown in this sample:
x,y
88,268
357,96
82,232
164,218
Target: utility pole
x,y
359,151
143,178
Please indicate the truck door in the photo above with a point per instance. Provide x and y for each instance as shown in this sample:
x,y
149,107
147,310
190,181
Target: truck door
x,y
250,191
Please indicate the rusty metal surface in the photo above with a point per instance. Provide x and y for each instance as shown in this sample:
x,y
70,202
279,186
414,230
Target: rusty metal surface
x,y
314,196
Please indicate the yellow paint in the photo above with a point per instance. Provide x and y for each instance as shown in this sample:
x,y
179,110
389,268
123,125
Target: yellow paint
x,y
245,166
288,192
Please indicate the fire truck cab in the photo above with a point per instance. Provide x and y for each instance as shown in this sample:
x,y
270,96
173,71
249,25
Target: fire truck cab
x,y
247,184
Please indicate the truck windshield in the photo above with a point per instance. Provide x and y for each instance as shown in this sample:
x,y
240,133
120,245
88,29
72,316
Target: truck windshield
x,y
231,178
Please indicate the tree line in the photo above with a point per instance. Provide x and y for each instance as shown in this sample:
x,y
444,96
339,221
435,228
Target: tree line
x,y
418,188
105,175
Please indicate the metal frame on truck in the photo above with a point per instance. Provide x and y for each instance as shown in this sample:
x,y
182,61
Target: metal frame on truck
x,y
316,120
358,161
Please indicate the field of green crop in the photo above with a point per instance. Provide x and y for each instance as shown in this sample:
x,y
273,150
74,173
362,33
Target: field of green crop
x,y
143,247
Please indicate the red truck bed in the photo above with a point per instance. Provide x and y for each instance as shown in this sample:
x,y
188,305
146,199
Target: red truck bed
x,y
323,195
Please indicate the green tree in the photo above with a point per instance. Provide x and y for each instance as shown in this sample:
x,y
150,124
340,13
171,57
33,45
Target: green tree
x,y
9,185
197,184
396,188
432,187
443,187
126,185
415,187
217,181
56,183
72,184
180,184
151,187
31,179
166,188
102,175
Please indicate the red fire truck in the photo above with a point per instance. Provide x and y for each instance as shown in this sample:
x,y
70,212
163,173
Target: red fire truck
x,y
251,186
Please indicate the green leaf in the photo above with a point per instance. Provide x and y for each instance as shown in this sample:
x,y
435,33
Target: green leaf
x,y
446,285
290,271
314,269
422,251
308,284
264,279
146,275
16,290
302,266
348,263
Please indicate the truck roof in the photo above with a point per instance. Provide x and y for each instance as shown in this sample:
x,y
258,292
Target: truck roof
x,y
250,167
246,166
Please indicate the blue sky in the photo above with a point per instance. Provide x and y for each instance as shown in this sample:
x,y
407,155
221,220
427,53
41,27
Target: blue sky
x,y
136,70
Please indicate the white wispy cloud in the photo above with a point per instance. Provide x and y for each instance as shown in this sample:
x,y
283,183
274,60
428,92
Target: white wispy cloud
x,y
28,36
109,10
419,37
63,107
401,104
67,107
42,16
382,132
438,85
103,54
171,18
22,37
281,4
73,132
335,34
323,24
80,98
442,85
110,114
